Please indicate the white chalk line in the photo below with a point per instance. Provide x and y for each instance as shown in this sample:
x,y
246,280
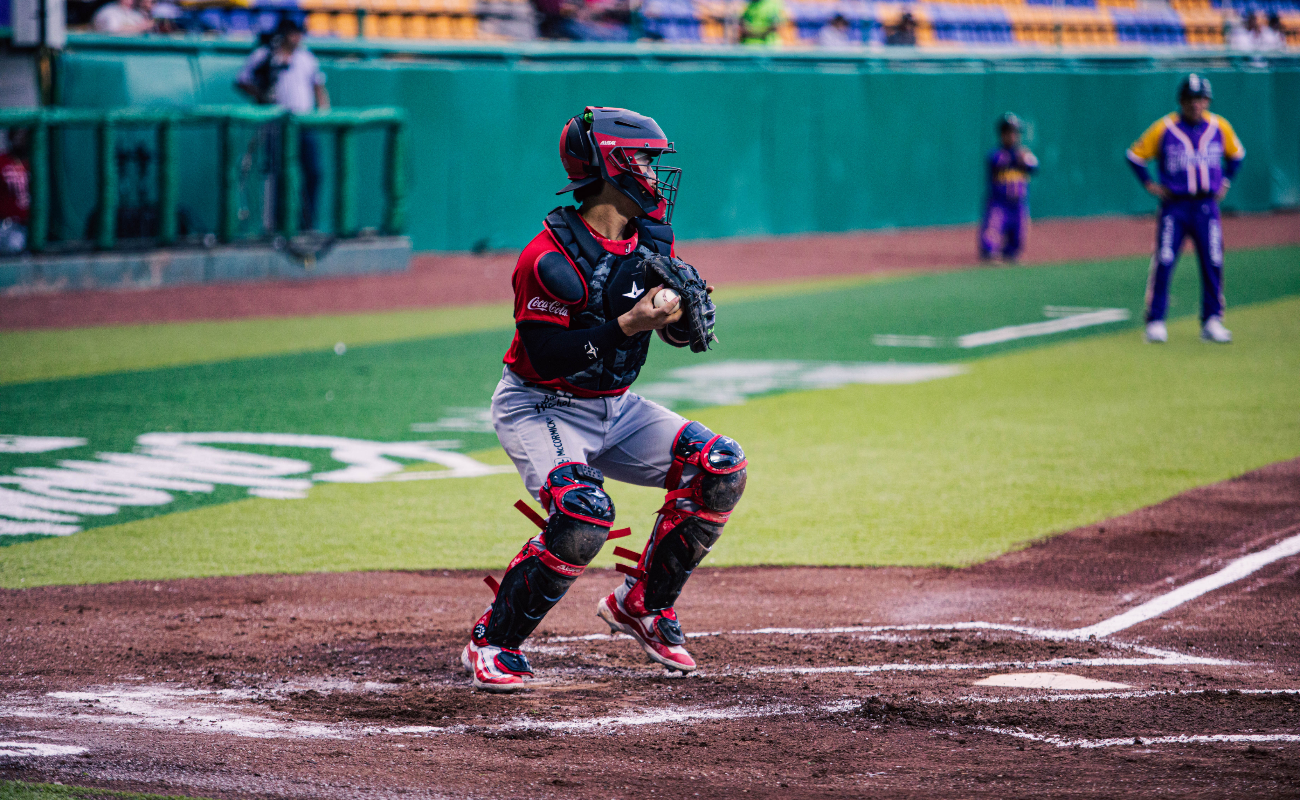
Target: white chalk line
x,y
1137,694
1143,741
29,749
193,711
1062,319
865,669
1233,572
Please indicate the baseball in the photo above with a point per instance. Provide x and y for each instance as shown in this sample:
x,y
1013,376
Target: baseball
x,y
664,297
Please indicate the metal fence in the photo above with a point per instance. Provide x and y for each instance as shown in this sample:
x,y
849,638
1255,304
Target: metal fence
x,y
229,121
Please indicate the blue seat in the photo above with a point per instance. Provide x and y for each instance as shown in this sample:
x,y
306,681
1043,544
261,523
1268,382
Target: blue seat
x,y
239,21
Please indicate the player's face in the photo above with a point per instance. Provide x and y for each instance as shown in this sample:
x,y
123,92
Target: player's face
x,y
1011,138
642,161
1194,108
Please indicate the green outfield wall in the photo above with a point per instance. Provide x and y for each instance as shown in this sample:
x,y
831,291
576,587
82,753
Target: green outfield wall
x,y
770,142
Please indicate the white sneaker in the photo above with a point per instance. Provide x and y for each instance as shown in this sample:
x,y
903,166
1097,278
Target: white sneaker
x,y
1213,331
1156,332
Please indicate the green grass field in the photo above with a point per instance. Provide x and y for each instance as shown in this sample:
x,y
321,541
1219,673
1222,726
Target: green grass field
x,y
17,790
1035,436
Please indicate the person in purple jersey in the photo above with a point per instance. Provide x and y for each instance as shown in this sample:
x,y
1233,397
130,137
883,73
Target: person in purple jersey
x,y
1196,154
1006,209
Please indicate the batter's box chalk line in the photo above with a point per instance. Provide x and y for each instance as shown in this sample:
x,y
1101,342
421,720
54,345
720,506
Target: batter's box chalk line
x,y
1142,741
1233,572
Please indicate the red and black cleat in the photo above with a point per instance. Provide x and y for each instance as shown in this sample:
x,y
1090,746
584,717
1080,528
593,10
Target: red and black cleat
x,y
656,631
493,669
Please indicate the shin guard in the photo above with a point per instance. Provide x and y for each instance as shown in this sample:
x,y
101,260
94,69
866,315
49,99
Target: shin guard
x,y
581,516
691,519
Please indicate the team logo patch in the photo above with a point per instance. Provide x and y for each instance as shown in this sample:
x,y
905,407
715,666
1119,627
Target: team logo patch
x,y
548,307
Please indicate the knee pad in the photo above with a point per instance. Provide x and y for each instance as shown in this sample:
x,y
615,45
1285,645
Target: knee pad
x,y
581,512
722,463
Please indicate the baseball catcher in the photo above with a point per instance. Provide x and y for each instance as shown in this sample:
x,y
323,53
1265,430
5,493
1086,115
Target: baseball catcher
x,y
589,291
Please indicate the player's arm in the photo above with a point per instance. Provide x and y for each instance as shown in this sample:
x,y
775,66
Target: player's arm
x,y
1026,160
555,351
1146,148
246,81
1233,152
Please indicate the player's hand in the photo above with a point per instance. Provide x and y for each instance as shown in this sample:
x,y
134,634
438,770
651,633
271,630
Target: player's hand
x,y
1157,191
1223,190
645,317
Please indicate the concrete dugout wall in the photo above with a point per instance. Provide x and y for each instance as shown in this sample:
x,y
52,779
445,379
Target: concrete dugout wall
x,y
769,142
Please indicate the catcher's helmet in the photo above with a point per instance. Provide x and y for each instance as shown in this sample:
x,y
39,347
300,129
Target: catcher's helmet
x,y
1194,86
604,144
1009,122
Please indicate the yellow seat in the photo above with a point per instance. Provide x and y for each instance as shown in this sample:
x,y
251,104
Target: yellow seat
x,y
345,25
416,26
440,26
320,23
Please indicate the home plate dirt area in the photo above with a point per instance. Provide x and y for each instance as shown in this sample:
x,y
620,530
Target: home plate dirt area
x,y
1152,655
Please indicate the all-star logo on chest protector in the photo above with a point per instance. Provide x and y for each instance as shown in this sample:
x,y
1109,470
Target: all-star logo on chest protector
x,y
614,284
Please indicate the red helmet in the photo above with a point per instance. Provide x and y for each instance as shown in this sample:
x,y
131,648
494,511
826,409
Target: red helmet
x,y
621,148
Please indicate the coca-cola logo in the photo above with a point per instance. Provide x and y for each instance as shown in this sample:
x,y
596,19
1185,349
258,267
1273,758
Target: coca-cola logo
x,y
548,307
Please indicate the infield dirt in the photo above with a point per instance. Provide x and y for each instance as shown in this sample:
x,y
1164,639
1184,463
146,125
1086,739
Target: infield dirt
x,y
348,685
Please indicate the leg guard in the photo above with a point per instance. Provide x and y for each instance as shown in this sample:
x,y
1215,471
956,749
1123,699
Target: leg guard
x,y
581,516
690,521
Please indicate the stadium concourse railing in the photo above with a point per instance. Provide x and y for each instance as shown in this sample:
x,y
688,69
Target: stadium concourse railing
x,y
343,122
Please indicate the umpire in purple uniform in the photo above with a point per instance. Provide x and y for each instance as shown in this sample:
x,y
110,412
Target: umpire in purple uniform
x,y
1196,155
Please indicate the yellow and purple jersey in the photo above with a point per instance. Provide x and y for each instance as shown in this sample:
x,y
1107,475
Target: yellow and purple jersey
x,y
1192,159
1009,172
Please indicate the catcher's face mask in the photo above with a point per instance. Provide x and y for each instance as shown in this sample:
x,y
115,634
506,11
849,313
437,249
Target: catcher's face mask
x,y
622,148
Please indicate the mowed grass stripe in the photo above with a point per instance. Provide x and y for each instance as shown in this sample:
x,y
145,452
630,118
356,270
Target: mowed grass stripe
x,y
29,356
42,355
950,472
826,318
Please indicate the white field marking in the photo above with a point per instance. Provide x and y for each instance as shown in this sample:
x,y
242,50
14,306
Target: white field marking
x,y
39,444
1060,319
732,382
177,709
906,340
1056,681
1230,574
1233,572
862,669
1009,333
25,749
1142,741
1134,695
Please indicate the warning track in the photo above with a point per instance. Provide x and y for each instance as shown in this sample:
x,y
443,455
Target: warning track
x,y
815,682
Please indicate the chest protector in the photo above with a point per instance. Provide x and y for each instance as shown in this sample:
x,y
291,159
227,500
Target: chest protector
x,y
614,283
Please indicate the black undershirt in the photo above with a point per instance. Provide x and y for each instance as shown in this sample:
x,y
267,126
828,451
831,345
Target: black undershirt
x,y
555,351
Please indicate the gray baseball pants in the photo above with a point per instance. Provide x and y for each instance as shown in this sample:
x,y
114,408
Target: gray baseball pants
x,y
627,437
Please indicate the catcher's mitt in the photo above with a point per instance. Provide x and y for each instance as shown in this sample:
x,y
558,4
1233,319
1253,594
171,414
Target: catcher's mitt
x,y
698,311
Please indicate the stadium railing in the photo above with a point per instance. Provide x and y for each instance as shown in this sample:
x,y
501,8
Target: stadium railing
x,y
344,123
